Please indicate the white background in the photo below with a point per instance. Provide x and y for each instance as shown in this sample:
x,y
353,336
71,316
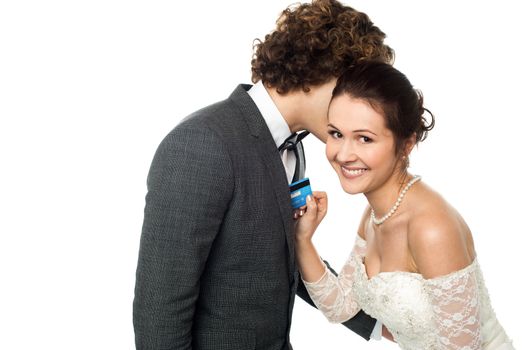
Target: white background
x,y
89,88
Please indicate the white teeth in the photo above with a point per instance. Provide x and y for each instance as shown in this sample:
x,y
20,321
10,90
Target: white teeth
x,y
353,172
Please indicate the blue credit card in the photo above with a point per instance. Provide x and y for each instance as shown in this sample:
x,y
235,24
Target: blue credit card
x,y
299,191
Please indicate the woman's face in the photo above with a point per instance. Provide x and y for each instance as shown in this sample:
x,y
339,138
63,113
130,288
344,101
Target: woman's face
x,y
360,148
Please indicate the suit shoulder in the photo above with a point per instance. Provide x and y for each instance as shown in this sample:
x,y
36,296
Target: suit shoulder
x,y
220,117
223,123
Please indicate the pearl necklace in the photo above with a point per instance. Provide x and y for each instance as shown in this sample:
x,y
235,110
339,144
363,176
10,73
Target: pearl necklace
x,y
395,206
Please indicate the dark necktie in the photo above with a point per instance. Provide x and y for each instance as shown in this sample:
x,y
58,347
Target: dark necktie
x,y
293,144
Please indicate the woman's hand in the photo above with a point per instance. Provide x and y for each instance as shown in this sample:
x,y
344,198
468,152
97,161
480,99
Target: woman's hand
x,y
309,217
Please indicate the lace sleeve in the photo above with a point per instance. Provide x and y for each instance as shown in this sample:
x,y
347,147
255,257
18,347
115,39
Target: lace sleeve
x,y
455,305
332,294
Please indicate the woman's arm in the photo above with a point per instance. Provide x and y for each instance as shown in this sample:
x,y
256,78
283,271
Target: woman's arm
x,y
310,265
330,293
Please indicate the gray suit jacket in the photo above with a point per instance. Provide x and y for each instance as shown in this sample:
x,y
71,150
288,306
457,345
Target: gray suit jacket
x,y
216,263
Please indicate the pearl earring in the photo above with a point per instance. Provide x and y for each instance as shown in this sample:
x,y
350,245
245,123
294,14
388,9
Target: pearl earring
x,y
406,161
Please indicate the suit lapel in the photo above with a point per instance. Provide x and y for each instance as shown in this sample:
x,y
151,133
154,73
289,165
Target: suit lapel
x,y
268,151
278,178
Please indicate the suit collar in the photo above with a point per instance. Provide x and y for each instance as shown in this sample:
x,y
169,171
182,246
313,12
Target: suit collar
x,y
273,118
249,110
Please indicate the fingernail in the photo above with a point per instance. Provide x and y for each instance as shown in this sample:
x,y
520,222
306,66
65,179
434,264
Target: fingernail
x,y
309,198
301,212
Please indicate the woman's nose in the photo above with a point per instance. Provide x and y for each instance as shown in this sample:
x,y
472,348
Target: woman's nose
x,y
346,153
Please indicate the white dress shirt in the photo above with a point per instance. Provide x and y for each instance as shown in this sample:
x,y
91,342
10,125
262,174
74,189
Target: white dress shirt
x,y
279,129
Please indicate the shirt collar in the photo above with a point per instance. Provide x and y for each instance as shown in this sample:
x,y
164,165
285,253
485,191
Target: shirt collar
x,y
279,129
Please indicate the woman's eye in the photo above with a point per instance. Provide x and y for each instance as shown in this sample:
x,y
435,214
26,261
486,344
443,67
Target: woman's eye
x,y
335,134
365,139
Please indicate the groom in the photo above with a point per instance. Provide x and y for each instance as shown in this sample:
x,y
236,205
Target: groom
x,y
216,265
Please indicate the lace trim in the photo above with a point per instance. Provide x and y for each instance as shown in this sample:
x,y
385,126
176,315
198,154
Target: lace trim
x,y
456,303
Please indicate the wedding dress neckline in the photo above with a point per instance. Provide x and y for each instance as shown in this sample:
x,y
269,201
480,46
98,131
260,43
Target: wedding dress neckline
x,y
363,244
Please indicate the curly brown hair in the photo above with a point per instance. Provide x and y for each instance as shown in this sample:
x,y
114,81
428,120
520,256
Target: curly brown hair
x,y
314,43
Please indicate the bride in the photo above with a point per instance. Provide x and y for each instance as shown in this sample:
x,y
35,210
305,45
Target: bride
x,y
414,265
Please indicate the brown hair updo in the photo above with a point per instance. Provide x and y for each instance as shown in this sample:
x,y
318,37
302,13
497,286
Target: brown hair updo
x,y
390,93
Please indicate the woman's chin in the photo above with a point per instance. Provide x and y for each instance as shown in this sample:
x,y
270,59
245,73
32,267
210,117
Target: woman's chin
x,y
351,189
353,184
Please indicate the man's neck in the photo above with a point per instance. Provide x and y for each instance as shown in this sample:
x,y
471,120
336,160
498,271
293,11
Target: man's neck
x,y
290,106
305,110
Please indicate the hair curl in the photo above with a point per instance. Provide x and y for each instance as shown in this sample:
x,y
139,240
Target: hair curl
x,y
390,93
314,43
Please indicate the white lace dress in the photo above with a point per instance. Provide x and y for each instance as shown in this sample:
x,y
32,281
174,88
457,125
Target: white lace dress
x,y
447,312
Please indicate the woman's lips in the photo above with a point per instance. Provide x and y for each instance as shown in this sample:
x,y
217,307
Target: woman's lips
x,y
353,172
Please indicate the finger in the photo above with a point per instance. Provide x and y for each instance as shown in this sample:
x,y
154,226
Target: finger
x,y
322,200
312,207
295,215
319,194
322,205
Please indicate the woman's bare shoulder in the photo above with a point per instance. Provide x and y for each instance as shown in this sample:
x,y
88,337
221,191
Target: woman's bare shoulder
x,y
437,236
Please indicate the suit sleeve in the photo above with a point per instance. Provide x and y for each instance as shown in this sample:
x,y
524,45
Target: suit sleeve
x,y
190,184
362,324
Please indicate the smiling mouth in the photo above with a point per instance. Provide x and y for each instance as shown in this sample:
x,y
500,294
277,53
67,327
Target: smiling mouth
x,y
353,172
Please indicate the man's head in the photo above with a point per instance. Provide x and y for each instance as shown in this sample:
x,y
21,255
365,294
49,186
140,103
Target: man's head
x,y
315,43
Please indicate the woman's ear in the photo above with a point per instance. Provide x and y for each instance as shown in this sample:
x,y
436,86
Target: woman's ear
x,y
409,144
